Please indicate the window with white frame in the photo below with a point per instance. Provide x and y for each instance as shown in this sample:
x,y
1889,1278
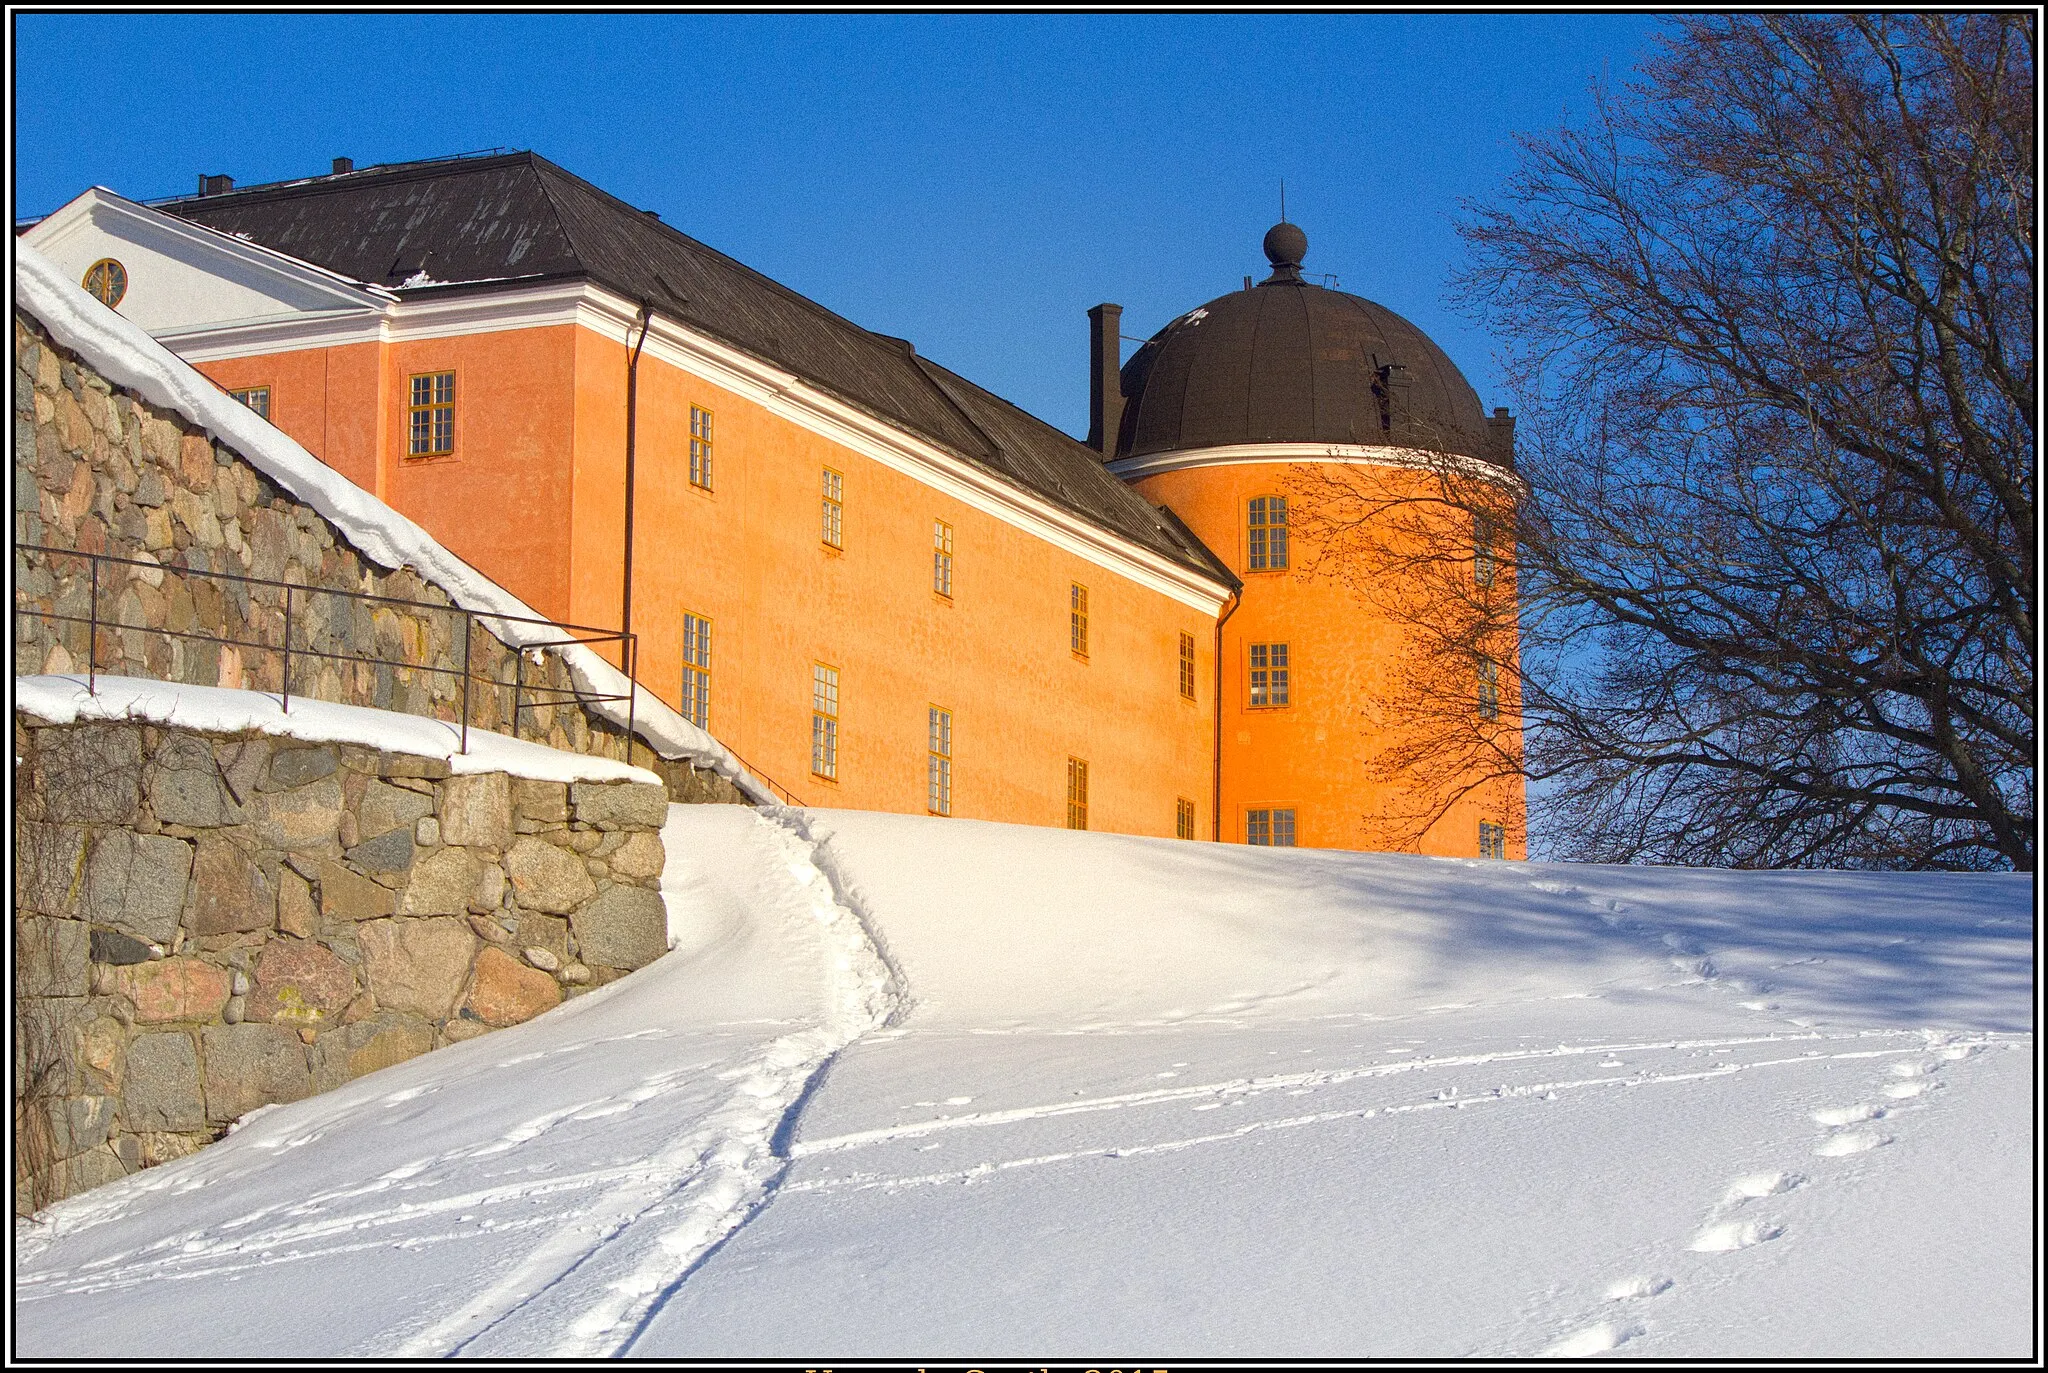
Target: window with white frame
x,y
1485,532
824,720
1489,688
1269,676
700,448
1266,534
832,515
942,557
938,797
697,670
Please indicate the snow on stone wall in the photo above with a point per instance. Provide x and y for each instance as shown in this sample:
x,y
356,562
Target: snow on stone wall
x,y
122,448
207,923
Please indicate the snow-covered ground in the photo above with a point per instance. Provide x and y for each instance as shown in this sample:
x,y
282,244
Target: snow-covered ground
x,y
952,1089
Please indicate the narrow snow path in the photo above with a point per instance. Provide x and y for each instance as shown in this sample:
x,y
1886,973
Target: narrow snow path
x,y
534,1191
586,1290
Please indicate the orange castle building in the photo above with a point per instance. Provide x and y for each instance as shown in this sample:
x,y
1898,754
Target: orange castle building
x,y
883,586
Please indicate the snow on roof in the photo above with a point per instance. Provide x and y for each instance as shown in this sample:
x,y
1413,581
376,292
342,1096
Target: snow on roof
x,y
63,700
129,357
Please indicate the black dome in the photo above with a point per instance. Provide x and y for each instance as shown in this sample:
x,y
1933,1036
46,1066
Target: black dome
x,y
1288,362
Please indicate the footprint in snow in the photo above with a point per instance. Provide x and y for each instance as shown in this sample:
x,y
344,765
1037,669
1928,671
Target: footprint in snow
x,y
1908,1089
1848,1115
1729,1235
1850,1142
1761,1185
1636,1288
1594,1339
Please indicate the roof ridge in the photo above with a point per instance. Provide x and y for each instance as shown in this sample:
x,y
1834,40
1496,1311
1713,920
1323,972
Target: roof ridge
x,y
1009,404
924,368
390,171
661,225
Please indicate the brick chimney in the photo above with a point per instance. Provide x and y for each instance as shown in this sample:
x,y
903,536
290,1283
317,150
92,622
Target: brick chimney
x,y
215,183
1105,386
1501,429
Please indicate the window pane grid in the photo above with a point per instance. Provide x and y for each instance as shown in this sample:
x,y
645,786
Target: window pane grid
x,y
1187,666
830,527
1183,818
942,557
697,670
1269,674
1483,538
1493,840
1077,794
700,448
1270,828
1489,689
939,773
824,720
1266,534
257,398
431,426
1077,619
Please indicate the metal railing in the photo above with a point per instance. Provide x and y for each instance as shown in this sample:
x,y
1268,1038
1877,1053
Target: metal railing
x,y
789,798
525,695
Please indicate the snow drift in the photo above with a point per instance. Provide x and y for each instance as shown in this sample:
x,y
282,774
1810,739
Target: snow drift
x,y
960,1090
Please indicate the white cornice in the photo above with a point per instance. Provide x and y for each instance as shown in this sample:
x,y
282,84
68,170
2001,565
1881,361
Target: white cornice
x,y
781,392
789,396
1341,454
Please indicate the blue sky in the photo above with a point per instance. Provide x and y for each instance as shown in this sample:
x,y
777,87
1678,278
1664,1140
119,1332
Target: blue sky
x,y
970,182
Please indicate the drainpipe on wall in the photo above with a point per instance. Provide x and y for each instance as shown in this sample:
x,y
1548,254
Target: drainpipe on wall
x,y
632,422
1216,792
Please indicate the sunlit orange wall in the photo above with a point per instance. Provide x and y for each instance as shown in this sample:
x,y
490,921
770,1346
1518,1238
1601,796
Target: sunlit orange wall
x,y
326,398
500,501
1313,755
534,494
749,555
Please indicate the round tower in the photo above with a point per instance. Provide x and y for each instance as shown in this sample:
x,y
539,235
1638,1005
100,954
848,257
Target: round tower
x,y
1327,450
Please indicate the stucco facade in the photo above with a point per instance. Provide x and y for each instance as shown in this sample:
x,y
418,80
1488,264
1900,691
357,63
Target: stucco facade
x,y
532,492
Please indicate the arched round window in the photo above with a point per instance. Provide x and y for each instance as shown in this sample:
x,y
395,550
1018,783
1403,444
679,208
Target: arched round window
x,y
107,281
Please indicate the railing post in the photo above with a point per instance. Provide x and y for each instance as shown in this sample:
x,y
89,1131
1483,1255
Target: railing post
x,y
468,634
518,676
92,640
287,648
632,655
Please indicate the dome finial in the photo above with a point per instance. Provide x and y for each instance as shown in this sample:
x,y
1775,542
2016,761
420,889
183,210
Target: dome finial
x,y
1286,246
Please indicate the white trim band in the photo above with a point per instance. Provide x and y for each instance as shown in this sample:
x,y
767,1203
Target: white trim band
x,y
783,393
1341,454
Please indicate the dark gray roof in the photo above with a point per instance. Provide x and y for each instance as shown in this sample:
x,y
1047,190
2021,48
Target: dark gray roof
x,y
473,223
1288,362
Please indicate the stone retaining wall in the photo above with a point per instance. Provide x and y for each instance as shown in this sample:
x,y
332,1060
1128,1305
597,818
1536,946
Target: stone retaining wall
x,y
101,470
208,923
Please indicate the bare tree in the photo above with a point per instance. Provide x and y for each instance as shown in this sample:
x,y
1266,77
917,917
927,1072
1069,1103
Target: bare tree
x,y
1765,594
1772,326
1428,545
